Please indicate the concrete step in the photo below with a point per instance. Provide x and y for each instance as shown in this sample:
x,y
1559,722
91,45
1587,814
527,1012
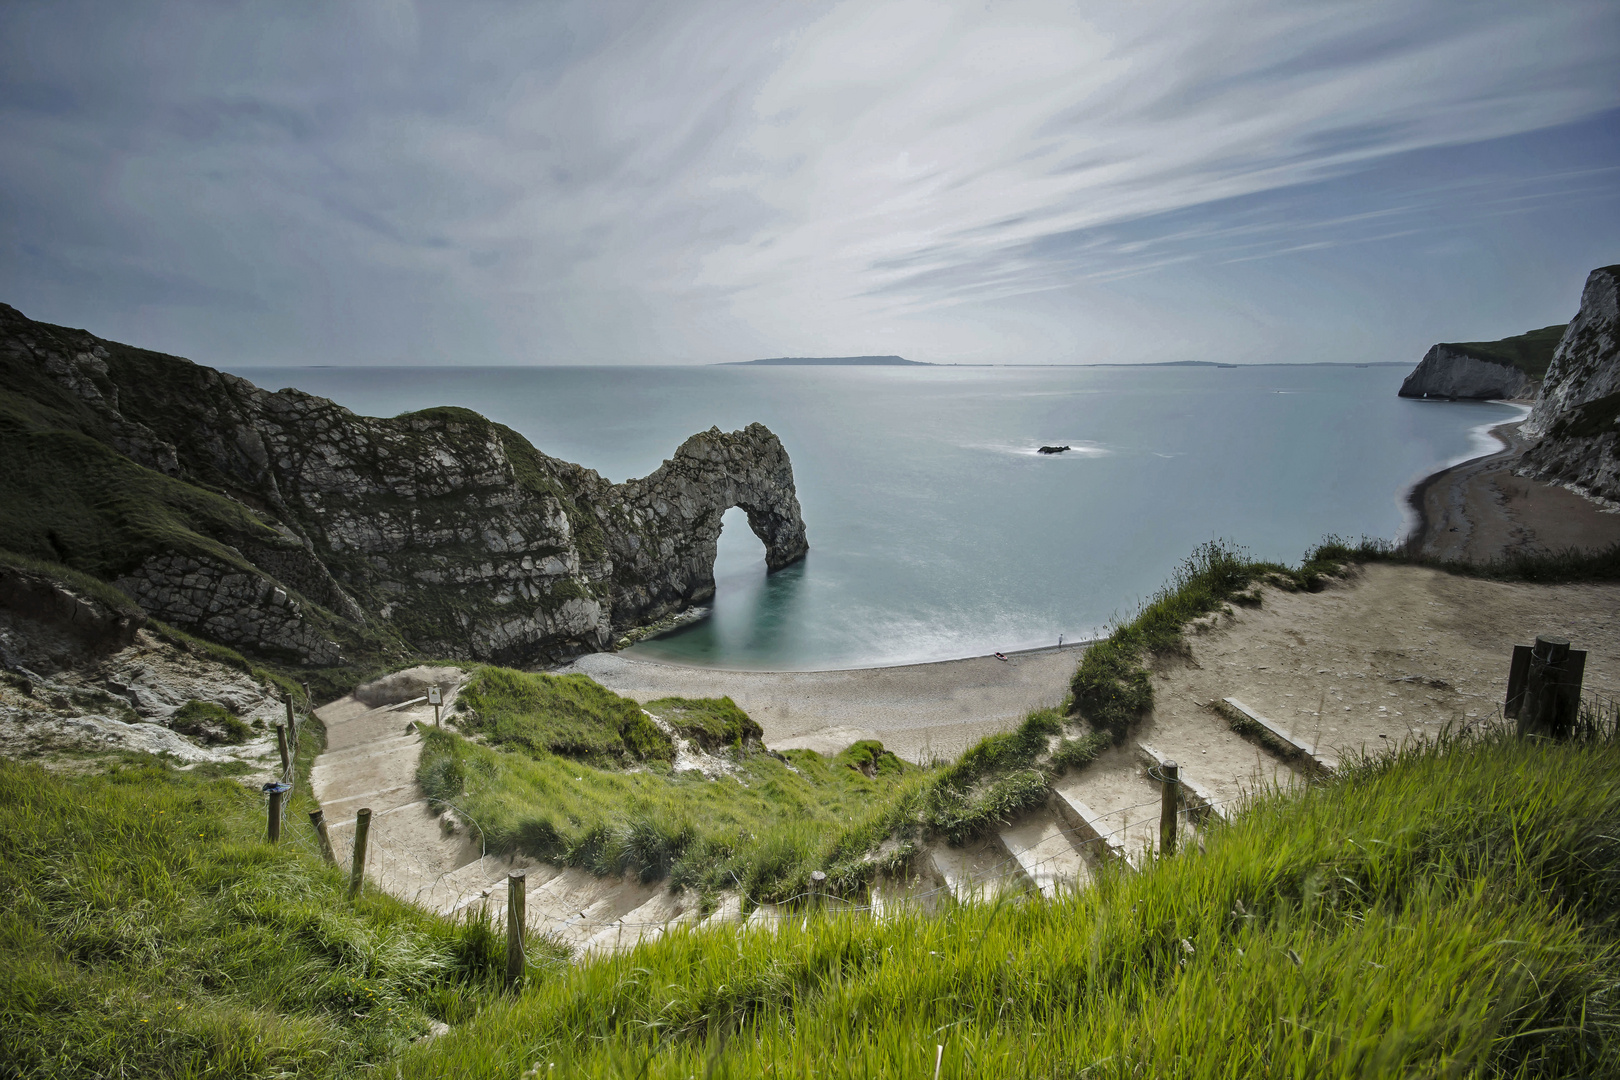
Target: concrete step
x,y
981,870
362,751
648,922
348,804
1090,829
1043,847
1275,737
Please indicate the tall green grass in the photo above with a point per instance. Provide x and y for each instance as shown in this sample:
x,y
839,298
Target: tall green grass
x,y
761,830
147,929
566,715
1447,912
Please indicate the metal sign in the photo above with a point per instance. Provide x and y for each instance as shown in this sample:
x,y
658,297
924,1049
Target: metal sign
x,y
434,697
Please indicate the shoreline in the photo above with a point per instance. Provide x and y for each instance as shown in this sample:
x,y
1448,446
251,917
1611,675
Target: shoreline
x,y
1417,494
1078,643
1479,511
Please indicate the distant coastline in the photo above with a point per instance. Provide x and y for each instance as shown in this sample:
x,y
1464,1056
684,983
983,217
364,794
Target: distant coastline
x,y
900,361
829,361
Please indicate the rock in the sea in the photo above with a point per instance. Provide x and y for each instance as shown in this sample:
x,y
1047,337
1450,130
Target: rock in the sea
x,y
1052,449
1576,418
1448,371
285,525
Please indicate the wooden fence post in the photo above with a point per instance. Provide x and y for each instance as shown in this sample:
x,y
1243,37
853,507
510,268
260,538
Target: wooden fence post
x,y
281,744
516,882
357,873
317,818
275,791
1542,699
818,888
1169,805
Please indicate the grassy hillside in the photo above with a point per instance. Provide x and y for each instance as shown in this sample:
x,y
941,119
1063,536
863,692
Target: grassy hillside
x,y
1437,914
564,770
147,929
1441,913
1530,352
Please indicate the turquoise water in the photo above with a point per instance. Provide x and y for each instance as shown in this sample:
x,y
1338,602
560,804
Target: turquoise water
x,y
935,529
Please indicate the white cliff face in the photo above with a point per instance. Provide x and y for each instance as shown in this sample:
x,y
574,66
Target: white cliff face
x,y
440,528
1584,368
1576,418
1447,372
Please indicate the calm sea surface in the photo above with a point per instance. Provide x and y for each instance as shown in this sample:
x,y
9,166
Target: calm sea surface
x,y
935,529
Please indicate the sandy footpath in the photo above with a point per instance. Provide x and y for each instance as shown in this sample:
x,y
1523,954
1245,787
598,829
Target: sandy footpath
x,y
1392,653
917,710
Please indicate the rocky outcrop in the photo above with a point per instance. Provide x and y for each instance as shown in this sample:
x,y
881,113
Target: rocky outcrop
x,y
230,605
664,546
1447,371
1576,418
293,527
96,624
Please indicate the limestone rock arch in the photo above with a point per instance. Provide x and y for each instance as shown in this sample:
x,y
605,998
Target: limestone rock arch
x,y
665,549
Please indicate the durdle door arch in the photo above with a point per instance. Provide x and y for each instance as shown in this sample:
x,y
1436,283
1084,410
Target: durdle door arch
x,y
666,559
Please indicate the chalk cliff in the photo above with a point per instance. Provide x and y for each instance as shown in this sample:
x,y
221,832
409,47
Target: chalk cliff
x,y
283,524
1576,418
1447,371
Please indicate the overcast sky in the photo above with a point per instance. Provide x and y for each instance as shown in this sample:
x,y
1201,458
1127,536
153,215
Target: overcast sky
x,y
687,182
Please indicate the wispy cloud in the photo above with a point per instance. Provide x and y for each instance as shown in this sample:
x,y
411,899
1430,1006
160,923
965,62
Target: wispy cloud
x,y
601,182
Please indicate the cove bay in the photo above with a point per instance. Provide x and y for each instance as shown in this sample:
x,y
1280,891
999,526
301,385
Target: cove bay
x,y
936,530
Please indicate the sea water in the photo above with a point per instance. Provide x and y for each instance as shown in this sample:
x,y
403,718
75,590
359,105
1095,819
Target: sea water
x,y
936,530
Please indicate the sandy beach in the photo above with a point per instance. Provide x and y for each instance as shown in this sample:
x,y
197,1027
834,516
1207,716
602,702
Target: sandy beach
x,y
1478,510
916,710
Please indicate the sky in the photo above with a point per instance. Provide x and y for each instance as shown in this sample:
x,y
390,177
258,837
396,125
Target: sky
x,y
477,182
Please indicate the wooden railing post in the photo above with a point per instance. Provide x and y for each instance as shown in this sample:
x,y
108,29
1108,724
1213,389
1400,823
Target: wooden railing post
x,y
281,744
357,872
317,818
275,792
1169,806
516,883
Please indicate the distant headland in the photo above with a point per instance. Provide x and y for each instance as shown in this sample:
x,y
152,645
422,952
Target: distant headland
x,y
833,361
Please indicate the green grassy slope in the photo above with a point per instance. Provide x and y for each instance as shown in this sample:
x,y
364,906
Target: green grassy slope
x,y
564,770
1530,352
147,929
1436,915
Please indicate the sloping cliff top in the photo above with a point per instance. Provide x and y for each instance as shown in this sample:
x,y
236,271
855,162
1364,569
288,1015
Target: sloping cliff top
x,y
1530,351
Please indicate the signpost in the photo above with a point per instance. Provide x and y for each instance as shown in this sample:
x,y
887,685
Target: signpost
x,y
435,699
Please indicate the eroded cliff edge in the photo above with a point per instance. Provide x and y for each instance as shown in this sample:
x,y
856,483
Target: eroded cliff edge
x,y
285,525
1575,421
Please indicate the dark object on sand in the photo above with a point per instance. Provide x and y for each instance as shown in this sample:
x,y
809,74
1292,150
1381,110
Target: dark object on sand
x,y
1001,656
1052,449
